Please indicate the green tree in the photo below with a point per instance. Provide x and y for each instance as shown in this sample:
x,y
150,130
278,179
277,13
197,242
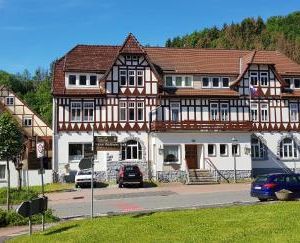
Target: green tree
x,y
11,144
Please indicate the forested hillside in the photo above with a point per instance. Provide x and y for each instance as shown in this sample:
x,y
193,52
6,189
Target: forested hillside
x,y
276,33
35,90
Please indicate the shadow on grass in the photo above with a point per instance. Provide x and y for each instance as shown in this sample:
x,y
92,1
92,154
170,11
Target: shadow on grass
x,y
62,229
140,215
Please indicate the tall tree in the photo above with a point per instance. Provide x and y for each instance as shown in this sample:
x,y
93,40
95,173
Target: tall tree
x,y
11,144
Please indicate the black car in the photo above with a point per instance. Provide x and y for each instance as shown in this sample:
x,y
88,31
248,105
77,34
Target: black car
x,y
129,175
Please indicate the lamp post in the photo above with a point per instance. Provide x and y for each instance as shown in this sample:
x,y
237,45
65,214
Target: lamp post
x,y
234,151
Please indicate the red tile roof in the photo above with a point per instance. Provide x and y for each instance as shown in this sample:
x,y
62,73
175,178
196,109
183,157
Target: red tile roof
x,y
98,58
200,92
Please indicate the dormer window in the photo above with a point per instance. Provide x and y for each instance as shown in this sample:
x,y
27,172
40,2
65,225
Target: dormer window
x,y
169,81
9,101
297,83
179,81
264,79
215,82
205,82
82,80
225,82
288,82
254,78
72,79
93,80
134,58
131,77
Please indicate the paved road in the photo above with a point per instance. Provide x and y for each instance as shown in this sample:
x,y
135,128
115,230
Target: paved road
x,y
137,200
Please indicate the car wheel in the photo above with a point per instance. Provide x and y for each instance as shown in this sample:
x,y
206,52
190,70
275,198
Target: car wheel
x,y
120,185
262,199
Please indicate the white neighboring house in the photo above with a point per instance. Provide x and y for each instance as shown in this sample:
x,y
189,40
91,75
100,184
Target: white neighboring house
x,y
175,111
32,127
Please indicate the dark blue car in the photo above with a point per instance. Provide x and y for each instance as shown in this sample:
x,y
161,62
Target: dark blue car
x,y
265,186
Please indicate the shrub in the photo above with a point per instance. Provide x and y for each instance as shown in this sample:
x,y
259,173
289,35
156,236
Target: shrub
x,y
3,220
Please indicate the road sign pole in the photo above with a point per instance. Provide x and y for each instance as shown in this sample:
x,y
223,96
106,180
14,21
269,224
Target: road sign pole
x,y
30,226
40,154
92,179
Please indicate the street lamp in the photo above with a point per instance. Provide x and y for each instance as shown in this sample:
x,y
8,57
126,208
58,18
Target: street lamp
x,y
234,151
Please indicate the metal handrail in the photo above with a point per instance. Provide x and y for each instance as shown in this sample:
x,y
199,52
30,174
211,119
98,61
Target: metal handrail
x,y
211,164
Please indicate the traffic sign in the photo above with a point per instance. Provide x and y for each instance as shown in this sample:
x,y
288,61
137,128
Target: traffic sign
x,y
85,163
40,149
35,206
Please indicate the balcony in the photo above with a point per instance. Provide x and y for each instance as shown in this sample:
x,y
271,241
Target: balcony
x,y
162,126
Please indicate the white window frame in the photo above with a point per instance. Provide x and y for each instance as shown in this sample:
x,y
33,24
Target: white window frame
x,y
86,80
131,73
3,166
183,81
224,111
214,154
123,110
77,158
222,78
75,79
27,121
264,112
140,74
288,148
258,149
214,111
226,149
212,82
123,73
254,112
254,75
208,86
294,112
264,79
140,108
294,83
89,107
76,106
136,146
289,82
238,152
10,100
93,85
178,153
131,107
174,107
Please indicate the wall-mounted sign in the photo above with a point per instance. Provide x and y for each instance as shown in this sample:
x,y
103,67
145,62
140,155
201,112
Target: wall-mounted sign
x,y
102,143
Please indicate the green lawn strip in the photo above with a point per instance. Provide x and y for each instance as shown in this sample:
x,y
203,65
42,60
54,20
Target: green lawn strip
x,y
25,194
279,222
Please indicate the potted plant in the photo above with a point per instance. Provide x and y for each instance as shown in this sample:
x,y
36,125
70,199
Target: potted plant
x,y
284,195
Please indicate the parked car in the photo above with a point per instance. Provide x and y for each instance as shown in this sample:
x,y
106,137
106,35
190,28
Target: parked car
x,y
129,175
83,178
265,186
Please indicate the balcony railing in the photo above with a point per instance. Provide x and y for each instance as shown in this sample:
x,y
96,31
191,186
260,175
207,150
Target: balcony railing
x,y
201,125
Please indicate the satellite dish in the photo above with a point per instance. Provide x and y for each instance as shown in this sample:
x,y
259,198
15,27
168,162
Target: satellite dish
x,y
85,163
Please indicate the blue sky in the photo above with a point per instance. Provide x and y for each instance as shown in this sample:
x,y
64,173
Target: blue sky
x,y
35,32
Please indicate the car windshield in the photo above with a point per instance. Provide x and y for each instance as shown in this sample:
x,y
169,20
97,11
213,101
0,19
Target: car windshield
x,y
132,169
262,179
82,172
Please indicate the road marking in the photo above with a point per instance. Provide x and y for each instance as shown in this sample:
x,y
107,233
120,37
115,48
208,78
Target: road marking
x,y
128,207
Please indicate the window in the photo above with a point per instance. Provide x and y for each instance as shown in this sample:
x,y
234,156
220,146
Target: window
x,y
224,112
175,112
77,151
188,81
223,149
225,82
214,111
288,149
2,172
131,77
122,111
76,111
140,111
134,58
296,83
235,149
253,78
205,82
258,149
140,78
131,150
123,77
294,112
27,121
264,79
82,80
254,112
216,82
131,111
88,111
93,80
264,112
169,81
10,101
288,82
171,153
72,79
178,81
211,150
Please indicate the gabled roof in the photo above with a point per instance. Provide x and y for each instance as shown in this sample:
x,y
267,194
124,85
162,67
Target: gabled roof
x,y
131,46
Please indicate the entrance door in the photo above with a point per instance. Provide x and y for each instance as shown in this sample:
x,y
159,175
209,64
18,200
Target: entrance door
x,y
191,156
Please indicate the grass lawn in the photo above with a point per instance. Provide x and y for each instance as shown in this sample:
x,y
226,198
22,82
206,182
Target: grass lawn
x,y
279,222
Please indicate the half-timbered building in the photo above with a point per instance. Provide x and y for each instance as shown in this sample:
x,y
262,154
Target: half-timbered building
x,y
177,111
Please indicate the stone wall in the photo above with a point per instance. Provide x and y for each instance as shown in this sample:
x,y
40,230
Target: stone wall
x,y
171,176
240,174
